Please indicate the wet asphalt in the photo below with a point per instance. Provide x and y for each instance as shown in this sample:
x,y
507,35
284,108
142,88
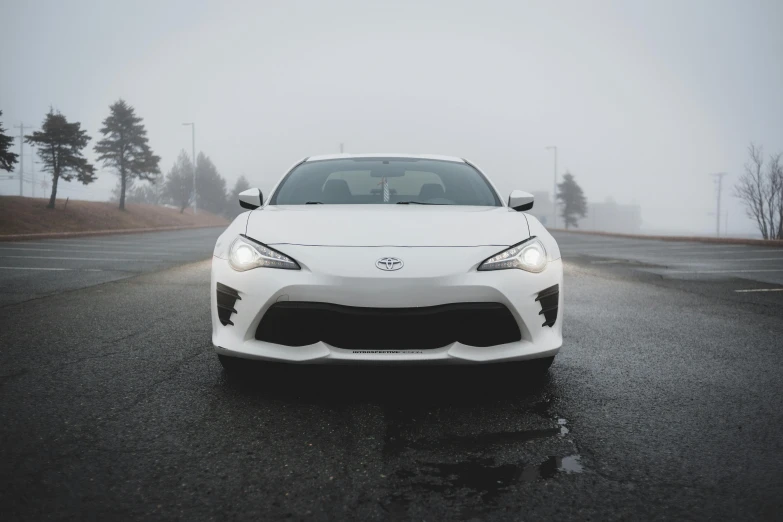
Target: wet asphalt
x,y
38,268
681,259
665,403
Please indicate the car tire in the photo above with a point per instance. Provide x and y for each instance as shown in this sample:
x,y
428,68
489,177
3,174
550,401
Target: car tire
x,y
532,369
541,366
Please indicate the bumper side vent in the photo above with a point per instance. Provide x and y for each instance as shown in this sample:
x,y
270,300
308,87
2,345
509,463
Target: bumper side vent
x,y
549,298
226,298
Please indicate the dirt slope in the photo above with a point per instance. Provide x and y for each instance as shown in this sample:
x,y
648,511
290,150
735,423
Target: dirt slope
x,y
30,216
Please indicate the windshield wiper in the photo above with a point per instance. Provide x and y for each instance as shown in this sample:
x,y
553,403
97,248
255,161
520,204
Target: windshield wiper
x,y
313,203
417,203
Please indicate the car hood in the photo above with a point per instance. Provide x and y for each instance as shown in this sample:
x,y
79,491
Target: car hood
x,y
385,225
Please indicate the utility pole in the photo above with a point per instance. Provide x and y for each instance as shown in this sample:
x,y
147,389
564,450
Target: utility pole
x,y
21,128
32,170
341,148
195,194
719,177
554,189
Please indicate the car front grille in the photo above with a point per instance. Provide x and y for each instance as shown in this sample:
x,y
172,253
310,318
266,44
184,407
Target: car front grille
x,y
302,323
226,299
549,299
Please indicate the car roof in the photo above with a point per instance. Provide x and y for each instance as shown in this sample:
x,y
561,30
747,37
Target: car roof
x,y
386,155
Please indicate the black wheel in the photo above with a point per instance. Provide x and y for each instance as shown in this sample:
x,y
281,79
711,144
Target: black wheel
x,y
532,370
541,366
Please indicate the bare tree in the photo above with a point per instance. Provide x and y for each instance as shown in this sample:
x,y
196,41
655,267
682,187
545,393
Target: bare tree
x,y
775,170
761,190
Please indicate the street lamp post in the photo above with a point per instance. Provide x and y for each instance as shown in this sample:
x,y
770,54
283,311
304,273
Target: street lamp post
x,y
554,189
193,151
719,178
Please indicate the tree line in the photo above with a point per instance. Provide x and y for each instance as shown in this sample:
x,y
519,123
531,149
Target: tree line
x,y
124,148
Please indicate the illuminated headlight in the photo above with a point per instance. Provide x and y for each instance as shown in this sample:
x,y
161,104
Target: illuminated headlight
x,y
529,255
245,254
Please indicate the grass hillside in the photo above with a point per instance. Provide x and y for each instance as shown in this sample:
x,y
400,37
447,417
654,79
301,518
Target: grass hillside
x,y
20,215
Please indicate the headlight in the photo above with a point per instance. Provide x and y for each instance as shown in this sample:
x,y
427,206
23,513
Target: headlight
x,y
528,255
245,254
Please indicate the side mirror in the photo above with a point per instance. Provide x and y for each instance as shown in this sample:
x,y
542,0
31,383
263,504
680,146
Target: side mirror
x,y
251,198
519,200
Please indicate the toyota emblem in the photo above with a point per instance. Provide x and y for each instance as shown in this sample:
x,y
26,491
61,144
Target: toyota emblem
x,y
389,263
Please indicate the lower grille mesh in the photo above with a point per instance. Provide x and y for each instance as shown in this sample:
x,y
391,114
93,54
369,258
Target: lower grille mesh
x,y
425,328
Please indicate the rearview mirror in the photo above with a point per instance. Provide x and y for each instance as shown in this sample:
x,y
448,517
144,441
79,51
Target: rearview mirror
x,y
251,198
520,200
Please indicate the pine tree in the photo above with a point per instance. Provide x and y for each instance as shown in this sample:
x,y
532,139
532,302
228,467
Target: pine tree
x,y
59,144
178,187
232,206
574,204
240,186
210,185
125,147
7,158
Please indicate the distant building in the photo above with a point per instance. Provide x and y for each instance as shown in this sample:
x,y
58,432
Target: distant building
x,y
608,216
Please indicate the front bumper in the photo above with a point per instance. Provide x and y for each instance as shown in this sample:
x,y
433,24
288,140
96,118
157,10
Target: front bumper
x,y
348,276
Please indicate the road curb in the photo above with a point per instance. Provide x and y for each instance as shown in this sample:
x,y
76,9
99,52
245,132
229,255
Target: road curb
x,y
85,233
698,239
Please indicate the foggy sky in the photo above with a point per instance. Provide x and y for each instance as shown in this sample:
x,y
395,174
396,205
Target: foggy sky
x,y
643,98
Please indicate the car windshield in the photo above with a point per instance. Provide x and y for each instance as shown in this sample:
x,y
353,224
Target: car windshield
x,y
383,181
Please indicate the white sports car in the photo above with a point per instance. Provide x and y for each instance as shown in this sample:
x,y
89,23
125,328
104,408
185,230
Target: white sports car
x,y
386,258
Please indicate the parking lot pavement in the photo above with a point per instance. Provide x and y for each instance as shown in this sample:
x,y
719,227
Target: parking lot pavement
x,y
665,403
32,269
678,259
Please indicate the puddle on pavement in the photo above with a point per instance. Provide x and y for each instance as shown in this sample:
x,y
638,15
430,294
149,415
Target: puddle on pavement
x,y
483,478
475,468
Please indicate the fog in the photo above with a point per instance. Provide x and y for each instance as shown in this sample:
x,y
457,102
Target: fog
x,y
643,99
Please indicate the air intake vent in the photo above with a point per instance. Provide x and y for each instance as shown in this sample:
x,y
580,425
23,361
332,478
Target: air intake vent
x,y
293,323
549,299
226,298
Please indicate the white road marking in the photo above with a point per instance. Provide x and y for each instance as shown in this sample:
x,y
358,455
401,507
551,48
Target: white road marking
x,y
80,258
49,269
761,290
702,247
606,245
662,248
721,271
172,246
661,253
89,251
768,250
779,258
148,241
